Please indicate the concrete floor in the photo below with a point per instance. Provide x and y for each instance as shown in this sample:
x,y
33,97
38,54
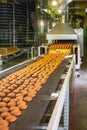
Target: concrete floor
x,y
78,101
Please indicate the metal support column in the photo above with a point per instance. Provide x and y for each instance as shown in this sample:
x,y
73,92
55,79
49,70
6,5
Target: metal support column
x,y
28,53
45,49
39,51
13,24
27,23
32,52
66,110
0,63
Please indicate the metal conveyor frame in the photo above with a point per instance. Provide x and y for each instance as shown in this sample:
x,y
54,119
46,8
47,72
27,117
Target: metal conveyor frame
x,y
62,102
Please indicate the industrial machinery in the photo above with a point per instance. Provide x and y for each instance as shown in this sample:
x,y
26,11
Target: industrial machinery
x,y
37,86
41,86
63,33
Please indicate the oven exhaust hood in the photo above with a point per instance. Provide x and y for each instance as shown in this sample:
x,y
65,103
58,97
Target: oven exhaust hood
x,y
62,31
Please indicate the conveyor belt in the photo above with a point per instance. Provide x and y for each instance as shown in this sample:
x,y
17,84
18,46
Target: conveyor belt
x,y
18,88
9,51
32,116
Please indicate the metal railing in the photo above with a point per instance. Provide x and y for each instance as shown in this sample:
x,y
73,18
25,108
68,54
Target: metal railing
x,y
62,103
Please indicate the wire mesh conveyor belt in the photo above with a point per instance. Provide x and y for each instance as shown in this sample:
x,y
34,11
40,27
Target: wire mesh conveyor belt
x,y
31,117
8,51
19,91
61,47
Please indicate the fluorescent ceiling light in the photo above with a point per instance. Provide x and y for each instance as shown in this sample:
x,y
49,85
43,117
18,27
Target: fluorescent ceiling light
x,y
60,11
54,3
86,10
68,1
42,23
53,24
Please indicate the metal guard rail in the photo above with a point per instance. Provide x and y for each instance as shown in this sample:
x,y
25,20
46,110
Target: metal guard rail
x,y
56,115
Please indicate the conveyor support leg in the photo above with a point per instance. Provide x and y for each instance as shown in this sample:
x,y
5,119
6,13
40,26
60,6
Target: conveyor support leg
x,y
66,110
